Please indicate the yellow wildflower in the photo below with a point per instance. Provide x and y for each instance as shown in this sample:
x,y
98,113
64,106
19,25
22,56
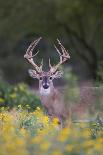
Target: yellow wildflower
x,y
27,106
45,120
100,140
19,106
22,87
56,152
65,131
69,147
13,95
63,135
36,140
38,108
88,143
98,147
86,133
24,132
89,152
2,100
55,121
45,145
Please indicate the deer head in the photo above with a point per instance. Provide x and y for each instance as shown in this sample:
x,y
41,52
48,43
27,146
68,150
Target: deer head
x,y
45,78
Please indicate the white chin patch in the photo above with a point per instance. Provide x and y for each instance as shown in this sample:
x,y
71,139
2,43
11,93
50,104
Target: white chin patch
x,y
44,91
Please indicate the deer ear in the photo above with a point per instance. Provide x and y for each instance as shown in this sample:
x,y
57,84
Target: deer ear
x,y
58,74
33,73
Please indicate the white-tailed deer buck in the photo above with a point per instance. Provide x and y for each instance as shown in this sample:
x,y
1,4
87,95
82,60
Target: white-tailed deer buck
x,y
50,97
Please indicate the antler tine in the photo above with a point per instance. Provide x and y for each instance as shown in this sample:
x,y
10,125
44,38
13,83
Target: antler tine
x,y
41,66
31,47
42,62
57,50
60,44
64,51
29,55
59,54
50,63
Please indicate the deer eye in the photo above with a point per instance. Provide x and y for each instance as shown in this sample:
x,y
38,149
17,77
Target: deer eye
x,y
41,78
50,78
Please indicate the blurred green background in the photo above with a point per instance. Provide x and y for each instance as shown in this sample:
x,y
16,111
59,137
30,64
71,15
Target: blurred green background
x,y
78,24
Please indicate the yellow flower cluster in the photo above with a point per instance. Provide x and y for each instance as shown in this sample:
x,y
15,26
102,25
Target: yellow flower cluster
x,y
23,133
1,100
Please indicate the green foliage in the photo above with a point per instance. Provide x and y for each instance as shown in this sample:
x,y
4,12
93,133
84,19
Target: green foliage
x,y
13,96
72,92
96,127
100,71
70,77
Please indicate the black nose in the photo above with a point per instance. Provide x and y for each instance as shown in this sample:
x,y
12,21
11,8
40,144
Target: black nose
x,y
45,86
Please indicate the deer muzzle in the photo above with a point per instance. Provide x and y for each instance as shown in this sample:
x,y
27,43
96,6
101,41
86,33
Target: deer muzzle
x,y
45,86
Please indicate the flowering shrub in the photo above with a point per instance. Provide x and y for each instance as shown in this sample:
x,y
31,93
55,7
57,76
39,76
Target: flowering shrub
x,y
32,133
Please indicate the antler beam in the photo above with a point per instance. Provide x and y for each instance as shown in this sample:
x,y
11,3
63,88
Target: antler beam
x,y
29,56
64,56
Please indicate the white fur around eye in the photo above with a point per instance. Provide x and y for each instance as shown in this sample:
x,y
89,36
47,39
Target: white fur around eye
x,y
58,74
33,73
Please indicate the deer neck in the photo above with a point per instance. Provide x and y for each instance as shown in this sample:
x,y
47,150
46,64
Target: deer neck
x,y
47,98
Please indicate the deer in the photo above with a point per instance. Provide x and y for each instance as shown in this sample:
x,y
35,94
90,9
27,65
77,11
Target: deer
x,y
49,96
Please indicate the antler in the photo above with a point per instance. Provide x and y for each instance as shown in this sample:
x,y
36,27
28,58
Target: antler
x,y
64,56
29,55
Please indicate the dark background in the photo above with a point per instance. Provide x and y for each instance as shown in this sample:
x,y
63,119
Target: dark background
x,y
78,24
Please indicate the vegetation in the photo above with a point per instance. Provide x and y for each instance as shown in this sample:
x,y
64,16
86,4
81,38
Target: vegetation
x,y
24,125
33,133
13,96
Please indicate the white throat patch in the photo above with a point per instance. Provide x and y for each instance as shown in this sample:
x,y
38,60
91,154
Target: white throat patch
x,y
44,91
